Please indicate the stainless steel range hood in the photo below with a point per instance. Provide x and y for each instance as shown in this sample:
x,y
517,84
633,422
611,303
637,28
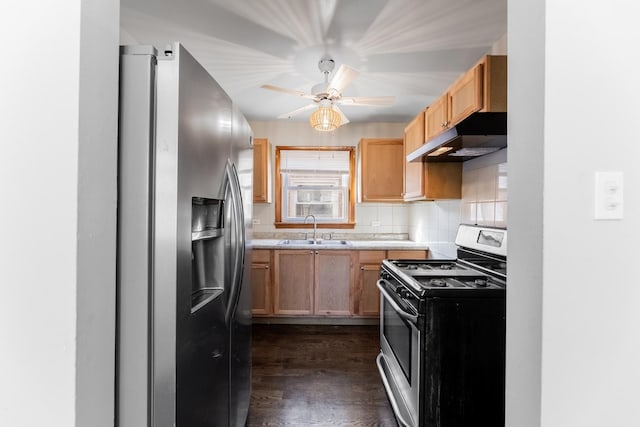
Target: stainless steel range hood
x,y
477,135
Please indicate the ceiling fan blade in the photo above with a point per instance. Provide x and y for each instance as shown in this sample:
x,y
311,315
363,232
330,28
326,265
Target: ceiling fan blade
x,y
370,101
343,77
296,111
289,91
344,119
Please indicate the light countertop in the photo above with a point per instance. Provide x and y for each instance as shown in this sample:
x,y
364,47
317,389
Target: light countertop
x,y
335,244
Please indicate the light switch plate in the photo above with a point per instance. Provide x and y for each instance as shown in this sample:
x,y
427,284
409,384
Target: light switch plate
x,y
375,223
609,195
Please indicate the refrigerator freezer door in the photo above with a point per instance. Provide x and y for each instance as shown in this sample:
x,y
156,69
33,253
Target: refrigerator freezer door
x,y
191,355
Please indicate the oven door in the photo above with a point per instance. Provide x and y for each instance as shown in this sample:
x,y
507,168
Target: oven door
x,y
399,359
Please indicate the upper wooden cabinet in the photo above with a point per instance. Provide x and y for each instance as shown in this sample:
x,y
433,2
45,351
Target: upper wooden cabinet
x,y
382,163
413,171
428,181
481,89
436,117
261,170
465,96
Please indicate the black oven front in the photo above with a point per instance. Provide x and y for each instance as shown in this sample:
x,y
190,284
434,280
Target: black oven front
x,y
442,351
400,342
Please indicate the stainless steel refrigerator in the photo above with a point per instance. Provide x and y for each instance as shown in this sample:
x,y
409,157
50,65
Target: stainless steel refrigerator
x,y
184,223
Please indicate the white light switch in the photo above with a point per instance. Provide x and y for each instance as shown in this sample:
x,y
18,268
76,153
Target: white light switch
x,y
609,195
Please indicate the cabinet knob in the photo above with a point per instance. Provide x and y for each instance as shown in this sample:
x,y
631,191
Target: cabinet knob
x,y
316,252
266,267
362,268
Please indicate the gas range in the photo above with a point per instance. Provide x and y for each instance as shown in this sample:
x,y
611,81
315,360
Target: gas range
x,y
442,325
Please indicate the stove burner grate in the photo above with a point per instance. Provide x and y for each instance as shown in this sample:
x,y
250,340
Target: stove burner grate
x,y
437,283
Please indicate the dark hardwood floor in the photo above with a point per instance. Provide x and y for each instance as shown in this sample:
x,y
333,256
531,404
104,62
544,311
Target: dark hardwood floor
x,y
311,375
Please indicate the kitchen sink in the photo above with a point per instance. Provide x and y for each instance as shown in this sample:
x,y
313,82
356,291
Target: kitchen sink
x,y
301,242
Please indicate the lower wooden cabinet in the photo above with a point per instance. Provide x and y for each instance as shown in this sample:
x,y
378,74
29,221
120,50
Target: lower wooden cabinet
x,y
262,300
334,278
367,300
293,281
313,282
320,283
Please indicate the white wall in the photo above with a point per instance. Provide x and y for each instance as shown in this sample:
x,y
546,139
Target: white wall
x,y
573,318
57,175
393,217
97,201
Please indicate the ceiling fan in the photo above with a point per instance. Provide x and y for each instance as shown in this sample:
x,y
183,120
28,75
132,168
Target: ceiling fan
x,y
329,93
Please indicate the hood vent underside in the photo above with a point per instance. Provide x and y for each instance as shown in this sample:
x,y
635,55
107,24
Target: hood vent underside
x,y
477,135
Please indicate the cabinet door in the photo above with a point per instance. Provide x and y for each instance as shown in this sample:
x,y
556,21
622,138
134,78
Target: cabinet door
x,y
436,117
261,289
370,295
334,280
414,171
293,281
367,300
382,165
465,96
261,170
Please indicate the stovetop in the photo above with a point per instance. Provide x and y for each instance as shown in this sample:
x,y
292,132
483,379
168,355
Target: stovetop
x,y
480,269
428,276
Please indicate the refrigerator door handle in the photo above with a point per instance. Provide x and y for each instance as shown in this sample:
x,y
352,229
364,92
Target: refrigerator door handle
x,y
238,262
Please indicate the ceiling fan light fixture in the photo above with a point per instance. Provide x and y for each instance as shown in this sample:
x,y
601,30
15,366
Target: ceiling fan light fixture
x,y
325,119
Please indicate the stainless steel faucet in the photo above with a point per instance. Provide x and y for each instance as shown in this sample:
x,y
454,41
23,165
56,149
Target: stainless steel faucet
x,y
315,226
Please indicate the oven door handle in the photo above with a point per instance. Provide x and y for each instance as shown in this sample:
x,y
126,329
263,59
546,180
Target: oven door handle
x,y
407,316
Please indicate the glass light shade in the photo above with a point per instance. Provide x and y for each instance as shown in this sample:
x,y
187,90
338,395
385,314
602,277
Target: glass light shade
x,y
325,119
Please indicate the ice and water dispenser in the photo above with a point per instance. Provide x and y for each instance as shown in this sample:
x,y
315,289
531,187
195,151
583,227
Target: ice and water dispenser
x,y
207,250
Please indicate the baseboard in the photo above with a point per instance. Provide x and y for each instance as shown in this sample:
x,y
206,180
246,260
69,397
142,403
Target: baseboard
x,y
310,320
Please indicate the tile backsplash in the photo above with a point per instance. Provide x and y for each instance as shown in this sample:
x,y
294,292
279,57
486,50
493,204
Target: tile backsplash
x,y
372,219
434,221
484,194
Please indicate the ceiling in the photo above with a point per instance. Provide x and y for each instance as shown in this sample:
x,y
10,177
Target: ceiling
x,y
410,49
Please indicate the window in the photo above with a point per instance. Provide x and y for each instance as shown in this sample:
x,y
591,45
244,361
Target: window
x,y
317,181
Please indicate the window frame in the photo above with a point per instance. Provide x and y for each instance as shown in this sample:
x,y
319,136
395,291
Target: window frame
x,y
352,190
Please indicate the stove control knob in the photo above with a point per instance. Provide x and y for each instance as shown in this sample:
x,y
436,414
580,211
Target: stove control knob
x,y
480,283
404,293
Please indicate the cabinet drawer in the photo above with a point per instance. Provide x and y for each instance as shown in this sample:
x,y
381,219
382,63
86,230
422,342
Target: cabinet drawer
x,y
371,257
260,255
407,254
